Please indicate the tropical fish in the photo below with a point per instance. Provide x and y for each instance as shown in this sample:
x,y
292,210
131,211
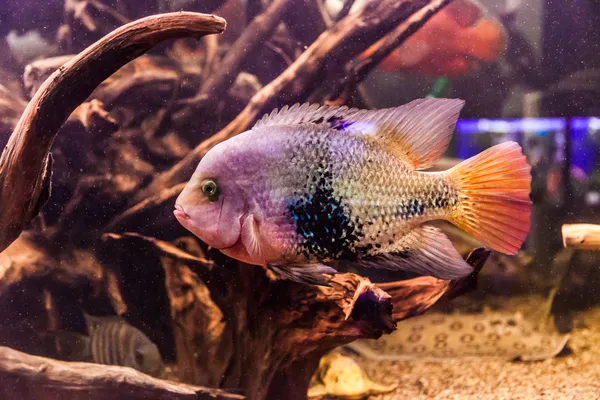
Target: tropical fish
x,y
454,42
112,341
309,185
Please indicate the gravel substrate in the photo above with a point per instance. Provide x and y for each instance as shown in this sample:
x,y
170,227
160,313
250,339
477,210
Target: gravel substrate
x,y
574,375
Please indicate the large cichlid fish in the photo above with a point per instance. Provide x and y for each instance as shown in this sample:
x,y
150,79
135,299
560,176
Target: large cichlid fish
x,y
308,185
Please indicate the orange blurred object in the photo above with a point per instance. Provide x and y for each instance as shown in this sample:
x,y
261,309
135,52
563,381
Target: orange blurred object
x,y
452,43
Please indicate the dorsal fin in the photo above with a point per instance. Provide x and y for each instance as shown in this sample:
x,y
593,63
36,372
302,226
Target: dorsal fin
x,y
306,114
418,132
93,321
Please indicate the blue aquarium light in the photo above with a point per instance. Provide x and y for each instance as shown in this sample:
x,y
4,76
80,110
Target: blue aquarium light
x,y
475,135
585,143
470,126
584,133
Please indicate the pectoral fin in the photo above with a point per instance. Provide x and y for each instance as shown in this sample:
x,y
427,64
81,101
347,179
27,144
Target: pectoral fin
x,y
72,346
251,238
426,251
311,274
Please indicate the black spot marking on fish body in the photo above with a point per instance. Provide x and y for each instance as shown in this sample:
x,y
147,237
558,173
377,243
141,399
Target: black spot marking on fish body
x,y
440,202
334,120
410,209
402,254
441,345
415,207
479,327
323,222
363,251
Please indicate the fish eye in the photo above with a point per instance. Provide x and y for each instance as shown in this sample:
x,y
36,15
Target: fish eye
x,y
139,357
210,189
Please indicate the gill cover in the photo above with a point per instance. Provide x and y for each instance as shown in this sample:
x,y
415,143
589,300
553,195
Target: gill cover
x,y
217,222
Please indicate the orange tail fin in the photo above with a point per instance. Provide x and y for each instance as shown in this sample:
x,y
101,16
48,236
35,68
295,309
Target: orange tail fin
x,y
494,204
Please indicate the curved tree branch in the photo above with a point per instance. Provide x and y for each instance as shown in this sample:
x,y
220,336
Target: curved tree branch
x,y
24,376
338,45
25,162
380,50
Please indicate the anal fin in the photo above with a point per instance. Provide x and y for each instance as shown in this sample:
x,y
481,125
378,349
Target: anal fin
x,y
426,251
311,274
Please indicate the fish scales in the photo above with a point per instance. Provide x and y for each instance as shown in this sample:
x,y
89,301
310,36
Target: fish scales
x,y
311,185
106,339
347,196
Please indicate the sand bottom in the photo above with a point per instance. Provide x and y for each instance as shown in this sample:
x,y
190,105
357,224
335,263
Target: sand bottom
x,y
575,374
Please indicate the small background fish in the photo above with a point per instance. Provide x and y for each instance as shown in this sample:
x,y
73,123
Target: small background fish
x,y
112,341
453,43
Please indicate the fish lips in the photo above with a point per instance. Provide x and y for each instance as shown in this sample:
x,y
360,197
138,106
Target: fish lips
x,y
215,233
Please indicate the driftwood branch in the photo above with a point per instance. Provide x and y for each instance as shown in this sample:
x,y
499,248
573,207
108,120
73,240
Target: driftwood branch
x,y
380,50
24,166
254,35
415,296
216,322
23,376
147,205
276,331
581,236
336,46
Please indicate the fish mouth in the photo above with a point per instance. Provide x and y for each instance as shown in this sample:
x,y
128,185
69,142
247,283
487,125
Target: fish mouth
x,y
186,221
180,213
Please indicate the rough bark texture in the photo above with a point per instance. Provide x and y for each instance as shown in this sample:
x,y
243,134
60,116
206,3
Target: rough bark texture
x,y
316,66
581,236
25,163
29,377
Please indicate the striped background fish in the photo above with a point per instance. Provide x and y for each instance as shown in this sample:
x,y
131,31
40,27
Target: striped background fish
x,y
111,341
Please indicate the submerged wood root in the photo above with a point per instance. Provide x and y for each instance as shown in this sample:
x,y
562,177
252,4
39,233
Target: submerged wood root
x,y
581,236
25,163
122,159
23,376
276,331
